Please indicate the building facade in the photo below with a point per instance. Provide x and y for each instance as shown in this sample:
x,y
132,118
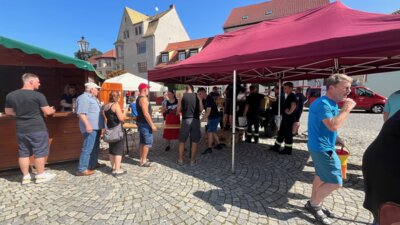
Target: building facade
x,y
141,38
105,63
273,9
178,51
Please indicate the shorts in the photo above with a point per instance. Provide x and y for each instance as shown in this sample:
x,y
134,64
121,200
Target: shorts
x,y
327,166
146,134
35,143
228,106
190,127
212,125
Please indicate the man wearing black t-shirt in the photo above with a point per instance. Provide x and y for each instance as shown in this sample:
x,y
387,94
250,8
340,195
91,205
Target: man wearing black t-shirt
x,y
28,106
288,118
212,118
229,98
251,111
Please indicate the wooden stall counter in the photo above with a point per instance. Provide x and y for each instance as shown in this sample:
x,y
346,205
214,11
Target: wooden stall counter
x,y
63,130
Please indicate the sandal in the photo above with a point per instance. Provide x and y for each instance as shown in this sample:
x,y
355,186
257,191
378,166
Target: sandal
x,y
179,162
193,163
146,164
318,214
328,213
117,174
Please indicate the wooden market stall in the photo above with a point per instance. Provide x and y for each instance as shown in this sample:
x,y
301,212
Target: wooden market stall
x,y
55,72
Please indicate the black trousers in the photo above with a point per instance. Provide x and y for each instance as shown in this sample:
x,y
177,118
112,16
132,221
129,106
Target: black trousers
x,y
253,120
285,131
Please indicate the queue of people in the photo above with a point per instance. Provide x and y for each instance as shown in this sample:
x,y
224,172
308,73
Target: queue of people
x,y
324,119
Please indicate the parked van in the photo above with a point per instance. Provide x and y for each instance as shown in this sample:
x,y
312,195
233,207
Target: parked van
x,y
364,97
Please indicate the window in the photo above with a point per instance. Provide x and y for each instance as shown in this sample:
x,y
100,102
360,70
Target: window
x,y
107,63
193,52
245,17
126,34
164,57
181,56
120,51
268,12
141,47
142,67
364,92
138,30
99,64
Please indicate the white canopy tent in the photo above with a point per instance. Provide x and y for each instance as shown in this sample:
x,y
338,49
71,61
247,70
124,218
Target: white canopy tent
x,y
130,82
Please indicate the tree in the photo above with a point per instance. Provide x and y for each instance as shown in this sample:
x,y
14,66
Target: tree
x,y
92,52
115,73
175,87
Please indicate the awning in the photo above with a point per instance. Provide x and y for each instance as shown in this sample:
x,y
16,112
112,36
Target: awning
x,y
309,45
57,60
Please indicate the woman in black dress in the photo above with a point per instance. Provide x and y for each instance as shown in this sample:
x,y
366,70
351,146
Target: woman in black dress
x,y
381,167
114,116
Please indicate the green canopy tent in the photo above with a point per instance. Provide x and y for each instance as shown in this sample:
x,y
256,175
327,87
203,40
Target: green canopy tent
x,y
55,70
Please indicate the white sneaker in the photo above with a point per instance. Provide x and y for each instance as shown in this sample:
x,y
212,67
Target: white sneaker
x,y
26,179
44,177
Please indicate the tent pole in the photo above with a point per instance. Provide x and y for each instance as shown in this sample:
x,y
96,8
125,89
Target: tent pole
x,y
233,121
279,119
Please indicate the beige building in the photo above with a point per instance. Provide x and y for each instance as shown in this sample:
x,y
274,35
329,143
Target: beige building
x,y
141,38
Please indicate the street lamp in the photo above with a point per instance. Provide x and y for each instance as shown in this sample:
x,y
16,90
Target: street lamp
x,y
83,52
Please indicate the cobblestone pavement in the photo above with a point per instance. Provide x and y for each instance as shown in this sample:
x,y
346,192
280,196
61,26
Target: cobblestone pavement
x,y
267,188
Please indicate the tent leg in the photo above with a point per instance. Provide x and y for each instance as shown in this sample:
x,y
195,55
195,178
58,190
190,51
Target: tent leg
x,y
233,121
279,118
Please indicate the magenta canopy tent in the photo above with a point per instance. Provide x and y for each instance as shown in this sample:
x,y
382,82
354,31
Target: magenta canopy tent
x,y
308,45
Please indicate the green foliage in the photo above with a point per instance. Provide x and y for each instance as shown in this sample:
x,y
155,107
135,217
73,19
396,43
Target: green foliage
x,y
92,52
175,87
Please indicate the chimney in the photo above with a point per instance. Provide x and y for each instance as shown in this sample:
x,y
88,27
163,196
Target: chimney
x,y
171,6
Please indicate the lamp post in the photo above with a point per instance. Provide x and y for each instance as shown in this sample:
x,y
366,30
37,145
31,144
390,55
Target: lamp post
x,y
83,52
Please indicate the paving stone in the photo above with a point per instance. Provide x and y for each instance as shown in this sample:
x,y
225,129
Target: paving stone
x,y
267,188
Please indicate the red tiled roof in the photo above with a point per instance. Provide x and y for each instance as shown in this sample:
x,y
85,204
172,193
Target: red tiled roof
x,y
92,59
175,47
277,8
183,45
109,54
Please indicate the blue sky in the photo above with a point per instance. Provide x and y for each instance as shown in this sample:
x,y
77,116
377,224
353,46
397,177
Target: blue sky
x,y
58,24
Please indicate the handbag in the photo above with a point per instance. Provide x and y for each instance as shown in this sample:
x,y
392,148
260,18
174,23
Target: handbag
x,y
113,134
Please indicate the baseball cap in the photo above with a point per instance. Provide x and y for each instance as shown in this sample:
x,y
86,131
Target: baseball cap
x,y
92,85
143,86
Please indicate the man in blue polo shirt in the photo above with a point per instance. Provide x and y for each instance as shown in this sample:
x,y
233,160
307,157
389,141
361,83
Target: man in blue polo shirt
x,y
91,123
324,120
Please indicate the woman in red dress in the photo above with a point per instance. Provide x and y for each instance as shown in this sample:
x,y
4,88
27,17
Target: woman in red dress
x,y
169,111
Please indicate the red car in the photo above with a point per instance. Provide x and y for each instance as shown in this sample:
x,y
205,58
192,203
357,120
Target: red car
x,y
365,98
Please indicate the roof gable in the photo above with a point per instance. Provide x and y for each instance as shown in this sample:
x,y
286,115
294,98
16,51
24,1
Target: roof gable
x,y
153,22
135,16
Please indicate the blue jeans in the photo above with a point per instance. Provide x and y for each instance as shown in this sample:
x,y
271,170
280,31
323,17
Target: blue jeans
x,y
90,150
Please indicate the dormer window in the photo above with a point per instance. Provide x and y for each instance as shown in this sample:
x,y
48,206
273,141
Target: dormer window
x,y
269,12
245,17
193,52
164,57
181,55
